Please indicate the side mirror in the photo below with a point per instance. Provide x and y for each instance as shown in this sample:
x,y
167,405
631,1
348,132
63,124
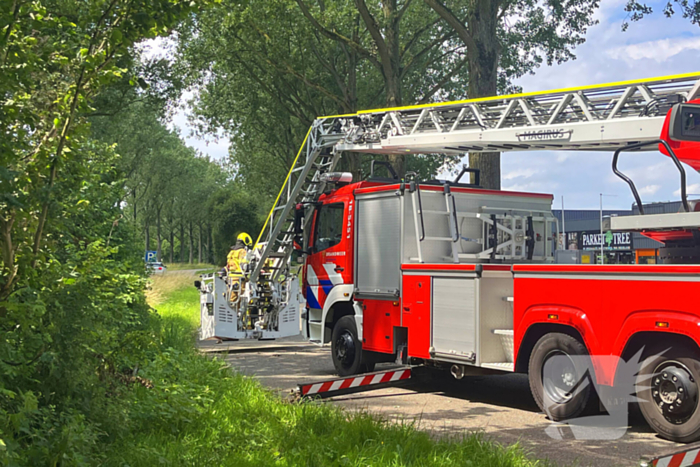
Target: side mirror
x,y
299,220
198,284
297,246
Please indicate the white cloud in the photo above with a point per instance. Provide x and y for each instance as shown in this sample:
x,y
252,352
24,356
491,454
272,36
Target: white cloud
x,y
519,173
649,190
659,51
691,190
534,187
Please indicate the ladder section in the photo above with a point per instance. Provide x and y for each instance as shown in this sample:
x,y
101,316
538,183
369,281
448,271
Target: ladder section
x,y
316,157
588,118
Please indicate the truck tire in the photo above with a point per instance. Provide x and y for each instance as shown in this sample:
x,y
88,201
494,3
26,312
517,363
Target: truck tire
x,y
560,387
667,389
346,348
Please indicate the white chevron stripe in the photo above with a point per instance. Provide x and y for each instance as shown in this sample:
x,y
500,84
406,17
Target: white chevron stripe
x,y
377,378
311,276
689,458
335,277
356,382
336,385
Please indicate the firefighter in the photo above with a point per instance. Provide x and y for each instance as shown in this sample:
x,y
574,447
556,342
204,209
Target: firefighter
x,y
234,264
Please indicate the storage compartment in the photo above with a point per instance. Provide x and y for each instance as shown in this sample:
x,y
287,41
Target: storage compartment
x,y
454,317
378,247
415,314
496,316
378,320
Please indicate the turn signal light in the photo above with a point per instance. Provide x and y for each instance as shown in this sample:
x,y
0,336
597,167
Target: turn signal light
x,y
662,324
553,317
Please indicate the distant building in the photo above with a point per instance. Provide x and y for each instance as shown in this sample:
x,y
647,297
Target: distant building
x,y
583,233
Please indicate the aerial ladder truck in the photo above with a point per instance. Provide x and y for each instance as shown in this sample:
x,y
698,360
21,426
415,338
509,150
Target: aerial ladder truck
x,y
446,273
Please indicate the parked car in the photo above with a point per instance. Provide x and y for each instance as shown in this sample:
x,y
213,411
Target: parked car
x,y
155,267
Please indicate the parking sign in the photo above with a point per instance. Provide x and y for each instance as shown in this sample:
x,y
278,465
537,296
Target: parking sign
x,y
150,256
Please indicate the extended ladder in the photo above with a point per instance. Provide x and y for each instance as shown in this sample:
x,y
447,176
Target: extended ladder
x,y
599,117
304,184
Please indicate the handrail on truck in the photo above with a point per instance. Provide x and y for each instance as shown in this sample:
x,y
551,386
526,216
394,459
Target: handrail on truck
x,y
635,193
414,186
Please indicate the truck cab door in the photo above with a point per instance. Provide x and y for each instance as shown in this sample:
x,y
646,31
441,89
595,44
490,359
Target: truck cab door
x,y
330,260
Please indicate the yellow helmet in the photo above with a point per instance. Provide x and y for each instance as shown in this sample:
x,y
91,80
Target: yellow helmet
x,y
245,238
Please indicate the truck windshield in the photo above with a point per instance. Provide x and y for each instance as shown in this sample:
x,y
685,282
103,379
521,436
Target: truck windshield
x,y
329,226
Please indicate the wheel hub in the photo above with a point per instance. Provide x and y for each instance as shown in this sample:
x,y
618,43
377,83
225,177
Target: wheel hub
x,y
345,349
559,376
674,391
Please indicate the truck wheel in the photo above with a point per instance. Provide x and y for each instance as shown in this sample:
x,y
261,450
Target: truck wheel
x,y
557,375
667,388
346,348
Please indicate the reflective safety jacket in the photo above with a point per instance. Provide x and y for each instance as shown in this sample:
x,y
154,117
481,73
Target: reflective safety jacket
x,y
235,259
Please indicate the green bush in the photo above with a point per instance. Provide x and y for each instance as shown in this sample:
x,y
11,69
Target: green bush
x,y
184,409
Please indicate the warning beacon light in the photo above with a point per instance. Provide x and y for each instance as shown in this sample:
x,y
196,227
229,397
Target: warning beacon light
x,y
337,177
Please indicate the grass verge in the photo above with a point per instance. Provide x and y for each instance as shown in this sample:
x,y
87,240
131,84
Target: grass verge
x,y
198,412
188,266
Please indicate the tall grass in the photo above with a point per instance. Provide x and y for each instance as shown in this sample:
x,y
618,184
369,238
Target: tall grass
x,y
188,266
175,292
199,412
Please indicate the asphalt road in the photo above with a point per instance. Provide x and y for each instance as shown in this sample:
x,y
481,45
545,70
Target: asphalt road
x,y
499,406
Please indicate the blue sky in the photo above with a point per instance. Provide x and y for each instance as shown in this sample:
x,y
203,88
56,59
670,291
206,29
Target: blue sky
x,y
656,46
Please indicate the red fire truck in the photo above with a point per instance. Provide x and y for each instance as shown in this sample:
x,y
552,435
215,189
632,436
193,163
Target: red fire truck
x,y
446,273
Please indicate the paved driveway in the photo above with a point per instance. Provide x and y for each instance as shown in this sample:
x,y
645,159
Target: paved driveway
x,y
499,406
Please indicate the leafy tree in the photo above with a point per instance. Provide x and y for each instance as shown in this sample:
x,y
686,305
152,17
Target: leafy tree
x,y
688,8
506,39
263,74
232,211
72,311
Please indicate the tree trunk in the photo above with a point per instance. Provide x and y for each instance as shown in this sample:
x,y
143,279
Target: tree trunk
x,y
213,247
159,237
480,36
191,239
392,64
208,233
172,245
134,204
483,78
147,232
182,242
387,44
199,245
